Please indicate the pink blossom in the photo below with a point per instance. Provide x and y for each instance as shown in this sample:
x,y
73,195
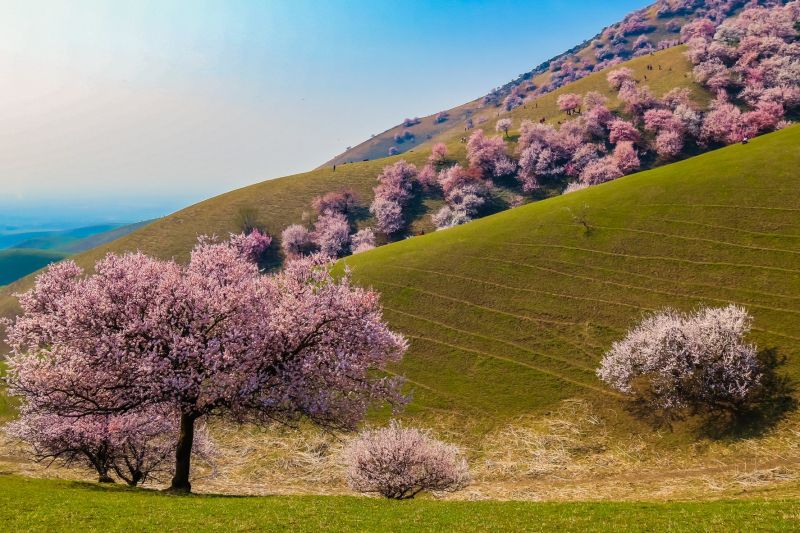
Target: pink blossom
x,y
399,463
362,241
295,241
488,155
697,360
332,234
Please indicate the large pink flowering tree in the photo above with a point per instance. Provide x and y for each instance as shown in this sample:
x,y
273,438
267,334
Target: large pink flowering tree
x,y
212,338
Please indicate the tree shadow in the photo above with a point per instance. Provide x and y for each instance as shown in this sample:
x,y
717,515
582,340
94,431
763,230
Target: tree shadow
x,y
768,405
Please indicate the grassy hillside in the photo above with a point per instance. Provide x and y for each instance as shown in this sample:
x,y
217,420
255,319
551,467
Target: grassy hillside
x,y
510,314
18,262
39,505
277,203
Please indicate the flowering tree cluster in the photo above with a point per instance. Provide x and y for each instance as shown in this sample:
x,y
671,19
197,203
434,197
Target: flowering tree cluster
x,y
214,337
393,192
399,463
754,58
677,363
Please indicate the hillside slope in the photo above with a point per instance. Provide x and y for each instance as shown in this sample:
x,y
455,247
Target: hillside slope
x,y
510,314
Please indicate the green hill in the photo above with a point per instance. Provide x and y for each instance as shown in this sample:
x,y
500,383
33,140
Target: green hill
x,y
18,262
510,314
280,202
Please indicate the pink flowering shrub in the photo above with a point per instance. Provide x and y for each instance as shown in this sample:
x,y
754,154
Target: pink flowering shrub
x,y
137,446
625,157
296,241
622,130
332,234
214,337
343,202
399,463
362,240
617,77
252,245
676,363
427,177
438,154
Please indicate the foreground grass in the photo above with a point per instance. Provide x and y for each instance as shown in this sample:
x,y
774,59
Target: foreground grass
x,y
44,505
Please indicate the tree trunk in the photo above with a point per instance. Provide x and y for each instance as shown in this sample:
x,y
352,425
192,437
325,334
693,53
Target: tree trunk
x,y
105,478
183,455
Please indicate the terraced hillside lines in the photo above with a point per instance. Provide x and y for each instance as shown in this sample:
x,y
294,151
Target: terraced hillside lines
x,y
514,311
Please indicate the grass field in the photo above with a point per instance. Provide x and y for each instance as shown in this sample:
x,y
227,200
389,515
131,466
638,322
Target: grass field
x,y
40,505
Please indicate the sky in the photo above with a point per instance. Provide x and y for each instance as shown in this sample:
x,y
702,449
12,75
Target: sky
x,y
132,109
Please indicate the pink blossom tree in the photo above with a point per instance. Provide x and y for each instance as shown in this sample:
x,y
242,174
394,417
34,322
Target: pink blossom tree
x,y
619,76
332,234
669,143
626,157
600,171
252,245
399,463
395,184
212,338
438,154
569,102
427,177
296,241
343,201
622,130
388,215
362,240
488,155
674,362
594,99
504,124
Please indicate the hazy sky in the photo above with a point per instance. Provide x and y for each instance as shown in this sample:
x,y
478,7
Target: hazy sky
x,y
173,101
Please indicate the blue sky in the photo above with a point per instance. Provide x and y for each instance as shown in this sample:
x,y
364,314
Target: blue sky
x,y
173,101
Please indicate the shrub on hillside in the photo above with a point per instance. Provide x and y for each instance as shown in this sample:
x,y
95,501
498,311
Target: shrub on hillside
x,y
675,364
399,463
